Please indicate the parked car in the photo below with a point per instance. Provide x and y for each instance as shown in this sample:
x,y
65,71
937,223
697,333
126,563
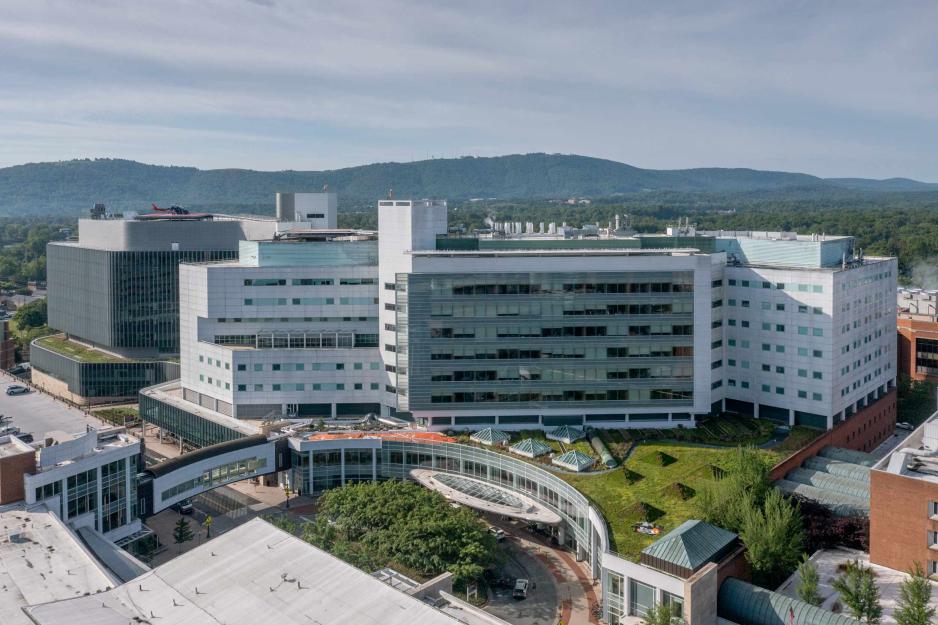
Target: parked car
x,y
26,438
184,507
499,534
23,367
9,429
905,425
17,389
521,589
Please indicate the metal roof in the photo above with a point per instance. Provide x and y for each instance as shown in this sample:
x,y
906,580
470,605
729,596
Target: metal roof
x,y
490,436
750,605
566,434
691,544
530,447
575,460
254,573
837,478
42,560
848,455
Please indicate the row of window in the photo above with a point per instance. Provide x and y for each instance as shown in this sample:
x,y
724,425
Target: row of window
x,y
313,339
301,386
779,349
482,332
504,374
790,286
292,319
481,397
302,366
308,301
307,281
217,475
559,309
549,288
777,307
629,351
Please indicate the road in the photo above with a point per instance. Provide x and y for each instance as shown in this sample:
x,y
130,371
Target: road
x,y
37,413
541,605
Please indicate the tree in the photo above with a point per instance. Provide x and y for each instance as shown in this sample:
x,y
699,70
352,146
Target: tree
x,y
808,580
182,533
914,596
743,486
857,589
773,537
31,315
659,614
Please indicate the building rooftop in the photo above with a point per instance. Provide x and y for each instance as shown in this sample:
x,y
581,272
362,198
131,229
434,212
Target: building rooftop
x,y
68,448
12,446
690,545
42,560
684,251
917,456
252,574
171,393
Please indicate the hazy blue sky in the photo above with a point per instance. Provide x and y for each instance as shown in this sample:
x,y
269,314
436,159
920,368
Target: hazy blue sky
x,y
830,88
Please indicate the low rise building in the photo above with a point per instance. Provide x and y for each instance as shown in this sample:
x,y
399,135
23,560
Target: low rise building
x,y
917,327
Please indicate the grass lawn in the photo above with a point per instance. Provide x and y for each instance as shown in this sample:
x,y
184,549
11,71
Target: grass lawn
x,y
61,345
658,483
119,416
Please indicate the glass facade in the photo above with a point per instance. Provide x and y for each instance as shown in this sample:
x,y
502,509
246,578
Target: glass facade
x,y
114,495
102,379
545,340
119,299
641,598
193,429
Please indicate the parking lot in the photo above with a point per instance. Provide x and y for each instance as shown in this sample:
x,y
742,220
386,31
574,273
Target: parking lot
x,y
37,413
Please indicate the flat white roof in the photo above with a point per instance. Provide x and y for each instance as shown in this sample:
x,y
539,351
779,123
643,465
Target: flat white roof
x,y
628,251
252,574
42,560
171,393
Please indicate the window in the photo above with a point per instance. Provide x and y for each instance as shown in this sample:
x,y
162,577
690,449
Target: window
x,y
802,394
780,349
766,388
374,386
817,331
802,373
744,384
802,309
779,327
766,347
780,307
779,369
242,367
779,390
766,326
802,331
766,305
816,396
242,387
258,367
641,598
745,303
258,387
817,353
817,375
767,368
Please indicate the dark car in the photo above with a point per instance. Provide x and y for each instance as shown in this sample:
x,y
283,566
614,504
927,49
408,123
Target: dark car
x,y
26,438
17,389
184,507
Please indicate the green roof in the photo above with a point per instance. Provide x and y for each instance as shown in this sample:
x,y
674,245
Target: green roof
x,y
690,545
574,459
490,436
70,349
565,433
531,447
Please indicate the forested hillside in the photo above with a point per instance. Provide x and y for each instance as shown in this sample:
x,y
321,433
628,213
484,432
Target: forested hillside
x,y
73,186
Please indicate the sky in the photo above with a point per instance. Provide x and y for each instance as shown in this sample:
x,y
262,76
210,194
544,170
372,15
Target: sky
x,y
831,88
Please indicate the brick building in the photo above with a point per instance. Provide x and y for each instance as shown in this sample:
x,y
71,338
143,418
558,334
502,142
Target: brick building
x,y
917,326
904,503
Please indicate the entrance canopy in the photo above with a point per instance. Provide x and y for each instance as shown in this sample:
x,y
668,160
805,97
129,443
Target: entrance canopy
x,y
485,497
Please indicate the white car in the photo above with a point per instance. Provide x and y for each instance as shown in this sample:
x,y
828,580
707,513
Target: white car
x,y
904,425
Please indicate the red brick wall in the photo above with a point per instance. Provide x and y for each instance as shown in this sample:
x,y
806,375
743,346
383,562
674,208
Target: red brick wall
x,y
736,565
908,330
864,431
899,521
12,469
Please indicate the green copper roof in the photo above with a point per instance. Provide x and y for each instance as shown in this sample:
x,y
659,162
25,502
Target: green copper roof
x,y
576,460
744,603
690,545
490,436
531,447
565,433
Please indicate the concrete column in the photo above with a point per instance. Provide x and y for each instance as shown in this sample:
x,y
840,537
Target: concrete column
x,y
374,465
342,460
670,417
723,405
333,411
98,524
127,478
755,410
791,417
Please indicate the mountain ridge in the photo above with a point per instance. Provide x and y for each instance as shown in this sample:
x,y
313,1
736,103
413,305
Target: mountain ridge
x,y
73,186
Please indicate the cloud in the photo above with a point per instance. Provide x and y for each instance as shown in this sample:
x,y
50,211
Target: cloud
x,y
839,88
